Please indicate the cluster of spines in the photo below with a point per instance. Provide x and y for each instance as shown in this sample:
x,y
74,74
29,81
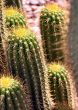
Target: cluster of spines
x,y
3,63
14,3
12,95
52,32
24,60
59,84
14,18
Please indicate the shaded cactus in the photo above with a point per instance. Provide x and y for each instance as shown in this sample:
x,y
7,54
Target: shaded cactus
x,y
13,17
24,59
14,3
12,95
59,84
52,31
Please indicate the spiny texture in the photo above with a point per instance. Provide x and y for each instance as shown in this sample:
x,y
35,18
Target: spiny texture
x,y
3,63
52,31
14,17
14,3
59,84
25,60
12,95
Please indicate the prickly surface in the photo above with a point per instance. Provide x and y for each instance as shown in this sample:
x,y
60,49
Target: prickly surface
x,y
59,84
3,63
52,32
25,60
12,95
13,17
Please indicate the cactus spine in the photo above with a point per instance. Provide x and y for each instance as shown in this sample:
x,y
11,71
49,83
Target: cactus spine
x,y
25,60
14,17
3,63
14,3
12,95
59,84
52,25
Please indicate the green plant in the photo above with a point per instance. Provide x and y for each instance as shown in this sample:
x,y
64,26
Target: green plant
x,y
12,95
3,62
14,18
59,84
52,32
25,60
14,3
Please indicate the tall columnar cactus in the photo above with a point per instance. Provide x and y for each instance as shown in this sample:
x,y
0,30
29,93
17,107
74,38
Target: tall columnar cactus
x,y
12,95
25,60
13,17
59,84
3,63
52,32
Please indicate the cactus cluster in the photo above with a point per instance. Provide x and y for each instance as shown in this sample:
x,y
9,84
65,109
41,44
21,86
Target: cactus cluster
x,y
25,60
12,95
59,84
14,18
52,32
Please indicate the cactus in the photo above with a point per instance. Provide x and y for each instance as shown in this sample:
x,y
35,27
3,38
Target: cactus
x,y
12,95
52,31
59,84
14,3
14,17
3,62
24,59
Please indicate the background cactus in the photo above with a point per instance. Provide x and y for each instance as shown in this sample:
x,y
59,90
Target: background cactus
x,y
25,60
52,31
3,62
12,95
14,3
14,17
59,84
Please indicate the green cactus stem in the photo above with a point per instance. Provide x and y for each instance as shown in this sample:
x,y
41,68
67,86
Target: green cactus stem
x,y
13,17
59,84
24,59
14,3
12,95
52,32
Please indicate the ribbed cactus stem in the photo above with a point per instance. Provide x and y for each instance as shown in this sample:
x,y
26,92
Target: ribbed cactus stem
x,y
59,84
3,62
14,17
12,95
14,3
52,32
25,60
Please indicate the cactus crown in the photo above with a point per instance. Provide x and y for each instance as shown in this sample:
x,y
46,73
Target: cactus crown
x,y
56,68
53,8
21,33
12,12
7,82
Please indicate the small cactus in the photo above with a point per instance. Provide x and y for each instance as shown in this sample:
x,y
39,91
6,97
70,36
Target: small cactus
x,y
14,18
52,32
24,59
12,95
59,84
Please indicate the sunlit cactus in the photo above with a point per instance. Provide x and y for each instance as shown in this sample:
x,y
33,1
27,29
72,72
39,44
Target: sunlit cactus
x,y
12,95
14,18
25,60
59,84
52,32
3,62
